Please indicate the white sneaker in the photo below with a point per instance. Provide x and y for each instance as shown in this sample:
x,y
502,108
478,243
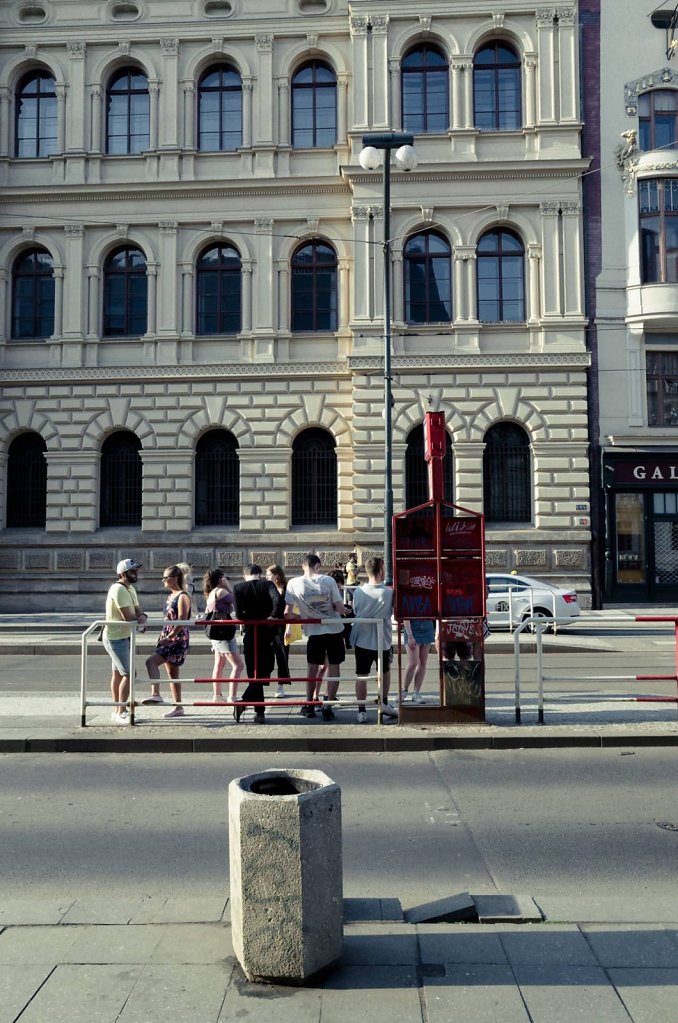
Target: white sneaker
x,y
120,719
362,717
405,695
418,698
178,712
388,711
280,693
153,698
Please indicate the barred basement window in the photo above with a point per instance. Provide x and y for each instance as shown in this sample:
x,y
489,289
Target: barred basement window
x,y
314,479
416,470
120,498
26,482
507,479
217,480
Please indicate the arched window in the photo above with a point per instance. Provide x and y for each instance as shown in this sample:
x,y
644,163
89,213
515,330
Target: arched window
x,y
497,88
120,498
127,113
416,470
33,295
219,109
219,291
427,266
36,115
658,119
507,482
424,85
500,266
26,482
314,479
314,106
314,287
217,480
125,294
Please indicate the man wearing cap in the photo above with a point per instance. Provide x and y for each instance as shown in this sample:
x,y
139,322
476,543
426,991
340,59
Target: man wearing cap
x,y
122,605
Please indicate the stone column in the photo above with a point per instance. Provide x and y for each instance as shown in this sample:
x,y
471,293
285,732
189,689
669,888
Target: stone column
x,y
284,138
264,44
546,50
359,27
397,286
395,98
635,377
246,325
283,283
152,282
153,96
167,498
567,50
167,281
5,96
550,224
187,301
363,297
61,117
190,141
93,279
344,294
460,296
573,259
467,90
247,87
380,111
263,280
534,283
471,287
58,302
96,141
530,65
170,89
342,109
72,491
76,120
74,312
468,473
4,305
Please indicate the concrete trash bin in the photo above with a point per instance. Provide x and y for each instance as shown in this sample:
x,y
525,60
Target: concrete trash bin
x,y
286,874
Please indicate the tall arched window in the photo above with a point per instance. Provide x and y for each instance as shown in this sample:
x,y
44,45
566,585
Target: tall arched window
x,y
219,109
36,115
217,480
219,291
33,295
125,293
507,478
314,287
416,470
314,479
658,119
120,496
500,266
427,266
26,482
424,84
497,101
314,106
127,113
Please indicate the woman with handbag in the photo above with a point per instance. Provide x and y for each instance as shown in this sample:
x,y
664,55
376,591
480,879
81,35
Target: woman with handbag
x,y
219,597
173,642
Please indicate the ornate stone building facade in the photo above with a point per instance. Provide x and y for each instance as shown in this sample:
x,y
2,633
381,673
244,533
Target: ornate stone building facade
x,y
191,279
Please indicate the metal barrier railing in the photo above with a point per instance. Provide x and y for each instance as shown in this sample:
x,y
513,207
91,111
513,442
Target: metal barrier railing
x,y
541,625
200,625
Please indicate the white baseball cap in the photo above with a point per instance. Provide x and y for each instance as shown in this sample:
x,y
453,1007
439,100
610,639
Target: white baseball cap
x,y
127,565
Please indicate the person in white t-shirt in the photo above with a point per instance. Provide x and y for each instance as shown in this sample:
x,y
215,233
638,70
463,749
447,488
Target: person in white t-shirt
x,y
317,596
372,600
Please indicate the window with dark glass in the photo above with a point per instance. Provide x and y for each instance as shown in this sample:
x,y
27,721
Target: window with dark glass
x,y
427,266
219,290
314,287
33,296
26,482
314,106
217,480
219,109
314,479
497,102
658,205
417,473
658,119
500,266
661,371
125,294
127,113
507,480
425,90
120,497
36,115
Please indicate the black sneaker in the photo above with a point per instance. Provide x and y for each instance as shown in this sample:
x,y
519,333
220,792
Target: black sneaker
x,y
307,712
328,714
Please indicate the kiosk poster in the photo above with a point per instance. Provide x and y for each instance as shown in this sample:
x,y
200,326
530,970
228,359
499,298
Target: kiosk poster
x,y
462,588
416,589
460,532
415,533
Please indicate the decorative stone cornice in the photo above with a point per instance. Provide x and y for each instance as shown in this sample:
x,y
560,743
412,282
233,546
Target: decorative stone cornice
x,y
575,360
102,374
663,76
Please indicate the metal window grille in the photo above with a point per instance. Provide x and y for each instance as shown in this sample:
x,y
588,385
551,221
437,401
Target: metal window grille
x,y
416,470
217,480
507,474
26,482
120,481
314,479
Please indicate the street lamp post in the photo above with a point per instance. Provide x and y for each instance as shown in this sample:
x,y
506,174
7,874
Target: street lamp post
x,y
378,146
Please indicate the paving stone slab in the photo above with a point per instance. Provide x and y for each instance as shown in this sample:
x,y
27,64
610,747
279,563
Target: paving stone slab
x,y
482,994
360,910
384,944
36,945
633,945
497,909
114,944
34,911
453,909
608,909
83,994
376,993
161,910
104,910
464,943
269,1003
546,945
18,984
182,994
566,994
650,995
205,944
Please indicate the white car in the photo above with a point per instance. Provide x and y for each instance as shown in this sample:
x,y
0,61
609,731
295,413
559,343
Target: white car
x,y
512,598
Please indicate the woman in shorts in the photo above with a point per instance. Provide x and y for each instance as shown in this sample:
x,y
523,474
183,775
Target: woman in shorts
x,y
173,641
219,597
418,635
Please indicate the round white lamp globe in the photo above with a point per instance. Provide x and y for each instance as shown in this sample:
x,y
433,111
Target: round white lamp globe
x,y
406,158
369,158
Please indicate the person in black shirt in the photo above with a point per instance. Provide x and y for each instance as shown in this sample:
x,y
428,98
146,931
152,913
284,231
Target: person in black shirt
x,y
256,598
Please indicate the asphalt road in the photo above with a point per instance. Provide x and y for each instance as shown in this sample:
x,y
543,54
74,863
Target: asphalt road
x,y
416,826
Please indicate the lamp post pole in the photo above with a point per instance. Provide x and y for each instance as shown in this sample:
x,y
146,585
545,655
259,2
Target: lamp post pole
x,y
375,143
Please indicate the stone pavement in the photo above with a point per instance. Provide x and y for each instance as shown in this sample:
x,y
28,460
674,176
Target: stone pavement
x,y
155,960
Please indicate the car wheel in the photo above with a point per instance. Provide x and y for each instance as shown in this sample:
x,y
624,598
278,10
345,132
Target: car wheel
x,y
538,612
